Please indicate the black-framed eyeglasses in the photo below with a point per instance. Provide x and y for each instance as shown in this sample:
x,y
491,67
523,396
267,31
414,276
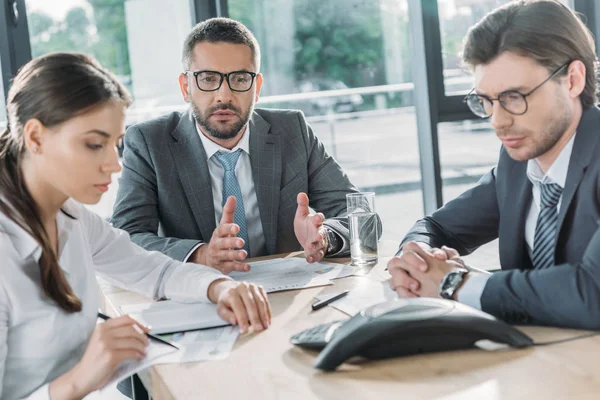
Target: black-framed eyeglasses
x,y
512,101
209,81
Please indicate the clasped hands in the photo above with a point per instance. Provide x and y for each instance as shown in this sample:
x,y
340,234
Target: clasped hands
x,y
223,252
419,269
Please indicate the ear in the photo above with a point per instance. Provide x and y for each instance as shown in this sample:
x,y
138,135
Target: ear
x,y
184,86
259,82
576,78
34,132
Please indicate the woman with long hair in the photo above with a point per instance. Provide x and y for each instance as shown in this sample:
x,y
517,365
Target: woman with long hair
x,y
65,120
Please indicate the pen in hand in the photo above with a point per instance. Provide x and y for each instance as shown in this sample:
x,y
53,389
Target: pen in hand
x,y
151,336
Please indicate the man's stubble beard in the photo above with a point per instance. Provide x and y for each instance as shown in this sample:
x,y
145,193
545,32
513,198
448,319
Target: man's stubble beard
x,y
554,128
214,131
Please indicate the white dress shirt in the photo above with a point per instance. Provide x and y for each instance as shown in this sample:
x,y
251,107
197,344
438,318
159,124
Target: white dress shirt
x,y
470,293
243,172
38,340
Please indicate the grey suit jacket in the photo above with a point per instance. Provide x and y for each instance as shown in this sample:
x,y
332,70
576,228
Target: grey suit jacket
x,y
165,198
568,293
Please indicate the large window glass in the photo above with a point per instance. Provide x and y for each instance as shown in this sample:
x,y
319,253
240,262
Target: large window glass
x,y
346,64
456,17
123,36
131,38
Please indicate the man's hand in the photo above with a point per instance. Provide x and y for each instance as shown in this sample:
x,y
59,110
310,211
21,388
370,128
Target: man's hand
x,y
310,231
413,263
220,253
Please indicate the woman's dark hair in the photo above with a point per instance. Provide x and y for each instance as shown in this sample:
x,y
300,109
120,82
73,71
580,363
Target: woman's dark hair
x,y
543,30
53,89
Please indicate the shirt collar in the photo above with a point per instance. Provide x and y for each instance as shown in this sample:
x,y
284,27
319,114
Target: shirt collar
x,y
558,170
25,244
211,147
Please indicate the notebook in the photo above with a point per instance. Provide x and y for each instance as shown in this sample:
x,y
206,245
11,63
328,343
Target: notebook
x,y
170,316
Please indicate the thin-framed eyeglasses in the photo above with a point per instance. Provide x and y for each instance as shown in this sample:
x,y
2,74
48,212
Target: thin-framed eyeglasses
x,y
512,101
209,81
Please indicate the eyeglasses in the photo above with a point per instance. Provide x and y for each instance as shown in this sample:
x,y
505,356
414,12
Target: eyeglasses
x,y
209,81
512,101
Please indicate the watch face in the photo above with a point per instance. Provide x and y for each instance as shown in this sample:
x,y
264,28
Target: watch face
x,y
450,283
454,279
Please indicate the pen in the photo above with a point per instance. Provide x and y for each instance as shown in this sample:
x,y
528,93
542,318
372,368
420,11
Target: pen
x,y
322,303
151,336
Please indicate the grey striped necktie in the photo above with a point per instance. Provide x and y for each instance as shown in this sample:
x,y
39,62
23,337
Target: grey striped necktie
x,y
544,239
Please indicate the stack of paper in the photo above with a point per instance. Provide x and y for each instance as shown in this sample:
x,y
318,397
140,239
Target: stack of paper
x,y
156,352
292,273
207,344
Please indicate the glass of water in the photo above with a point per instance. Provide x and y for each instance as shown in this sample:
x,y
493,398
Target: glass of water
x,y
363,228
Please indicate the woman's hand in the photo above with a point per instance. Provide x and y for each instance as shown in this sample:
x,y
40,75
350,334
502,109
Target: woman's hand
x,y
112,342
241,303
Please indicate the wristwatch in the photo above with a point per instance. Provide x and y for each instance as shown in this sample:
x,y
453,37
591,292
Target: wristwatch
x,y
332,242
451,282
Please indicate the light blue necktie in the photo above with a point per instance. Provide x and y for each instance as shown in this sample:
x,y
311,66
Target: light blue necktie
x,y
231,187
544,239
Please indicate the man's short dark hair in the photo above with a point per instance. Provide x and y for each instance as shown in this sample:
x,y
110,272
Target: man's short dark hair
x,y
220,30
545,30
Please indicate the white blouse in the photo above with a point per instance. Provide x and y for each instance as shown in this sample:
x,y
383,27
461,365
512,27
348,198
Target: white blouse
x,y
38,340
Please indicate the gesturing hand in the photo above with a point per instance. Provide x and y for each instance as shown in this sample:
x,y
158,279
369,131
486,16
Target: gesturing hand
x,y
222,251
310,231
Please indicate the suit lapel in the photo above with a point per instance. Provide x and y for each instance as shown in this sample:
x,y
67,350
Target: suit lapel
x,y
265,158
513,252
583,148
192,167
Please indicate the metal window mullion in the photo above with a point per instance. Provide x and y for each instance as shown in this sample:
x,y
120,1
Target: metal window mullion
x,y
427,86
15,48
205,9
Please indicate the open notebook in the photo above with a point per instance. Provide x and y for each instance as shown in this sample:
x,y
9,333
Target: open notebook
x,y
169,316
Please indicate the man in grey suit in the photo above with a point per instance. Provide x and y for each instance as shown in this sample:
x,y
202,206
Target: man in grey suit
x,y
224,181
535,78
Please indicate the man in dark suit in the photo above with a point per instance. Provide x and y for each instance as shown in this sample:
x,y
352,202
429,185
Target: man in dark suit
x,y
535,78
223,181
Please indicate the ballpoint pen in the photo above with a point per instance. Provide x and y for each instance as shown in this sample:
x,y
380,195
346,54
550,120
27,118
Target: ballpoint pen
x,y
151,336
322,303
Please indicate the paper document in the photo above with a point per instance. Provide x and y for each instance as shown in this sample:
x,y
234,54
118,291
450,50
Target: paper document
x,y
366,293
292,273
156,351
207,344
170,316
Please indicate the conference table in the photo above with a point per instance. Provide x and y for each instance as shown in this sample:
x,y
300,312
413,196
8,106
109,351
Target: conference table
x,y
266,366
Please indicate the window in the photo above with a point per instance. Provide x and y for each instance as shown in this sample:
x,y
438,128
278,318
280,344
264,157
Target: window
x,y
124,36
456,17
346,64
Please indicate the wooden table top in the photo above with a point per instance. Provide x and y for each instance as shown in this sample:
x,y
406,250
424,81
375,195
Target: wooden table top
x,y
266,366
